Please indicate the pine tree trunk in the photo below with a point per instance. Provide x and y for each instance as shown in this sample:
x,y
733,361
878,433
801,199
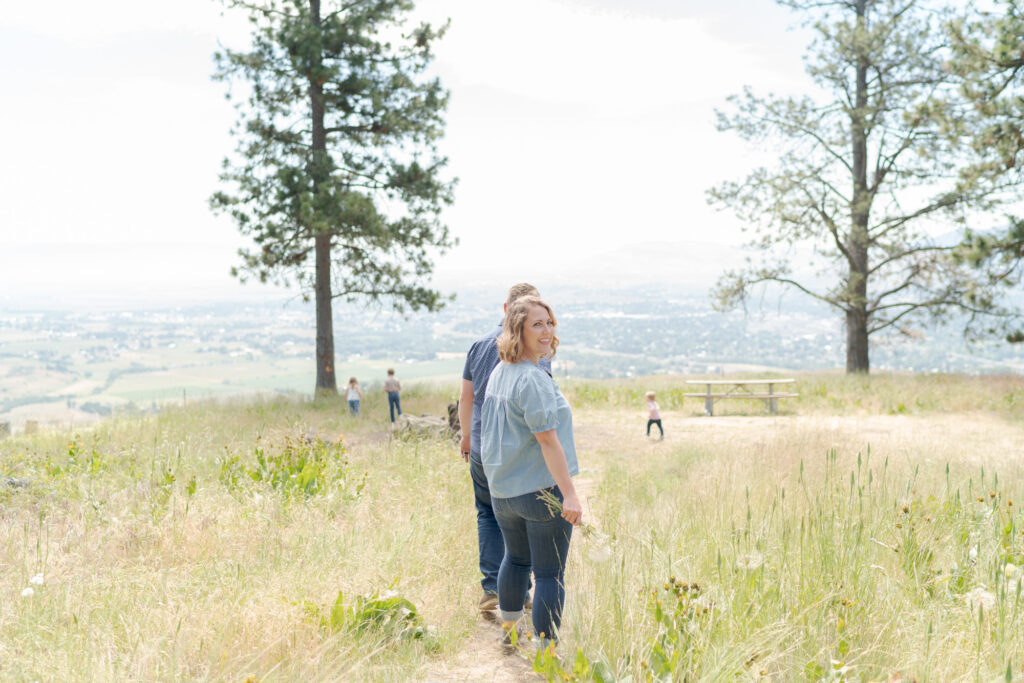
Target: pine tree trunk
x,y
326,381
857,315
860,210
856,342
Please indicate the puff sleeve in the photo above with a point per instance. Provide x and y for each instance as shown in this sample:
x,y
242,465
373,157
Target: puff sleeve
x,y
539,402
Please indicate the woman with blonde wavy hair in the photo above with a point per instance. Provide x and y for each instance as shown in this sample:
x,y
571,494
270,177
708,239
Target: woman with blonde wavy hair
x,y
528,449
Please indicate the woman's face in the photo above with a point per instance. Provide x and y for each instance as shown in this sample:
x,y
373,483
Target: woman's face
x,y
538,330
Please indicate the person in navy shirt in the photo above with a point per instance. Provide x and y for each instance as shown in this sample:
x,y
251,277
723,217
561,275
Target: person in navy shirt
x,y
480,361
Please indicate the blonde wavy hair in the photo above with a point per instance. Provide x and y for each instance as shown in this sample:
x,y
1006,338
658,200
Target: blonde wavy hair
x,y
510,344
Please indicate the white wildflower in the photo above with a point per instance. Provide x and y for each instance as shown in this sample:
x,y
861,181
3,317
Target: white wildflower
x,y
599,546
28,592
972,556
1010,570
750,561
37,580
839,668
599,553
979,598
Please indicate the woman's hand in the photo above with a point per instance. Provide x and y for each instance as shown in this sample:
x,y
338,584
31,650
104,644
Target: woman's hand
x,y
554,458
572,511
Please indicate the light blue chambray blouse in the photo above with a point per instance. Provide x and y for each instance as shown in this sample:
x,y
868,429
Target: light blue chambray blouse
x,y
521,401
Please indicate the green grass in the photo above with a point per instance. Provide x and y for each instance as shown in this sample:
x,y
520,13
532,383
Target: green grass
x,y
845,540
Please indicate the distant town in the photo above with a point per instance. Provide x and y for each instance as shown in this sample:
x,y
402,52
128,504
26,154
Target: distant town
x,y
73,365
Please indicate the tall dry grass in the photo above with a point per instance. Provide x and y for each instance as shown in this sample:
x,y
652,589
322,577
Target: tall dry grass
x,y
146,577
845,539
821,551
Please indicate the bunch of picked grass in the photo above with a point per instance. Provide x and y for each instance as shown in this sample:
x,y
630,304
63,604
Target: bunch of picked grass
x,y
600,545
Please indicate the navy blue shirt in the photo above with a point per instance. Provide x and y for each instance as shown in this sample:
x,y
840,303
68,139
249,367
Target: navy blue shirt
x,y
480,361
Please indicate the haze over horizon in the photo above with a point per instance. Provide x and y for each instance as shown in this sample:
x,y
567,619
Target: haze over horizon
x,y
568,153
690,266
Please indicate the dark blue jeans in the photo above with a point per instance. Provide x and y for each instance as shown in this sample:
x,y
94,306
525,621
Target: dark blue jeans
x,y
539,537
492,545
353,407
394,401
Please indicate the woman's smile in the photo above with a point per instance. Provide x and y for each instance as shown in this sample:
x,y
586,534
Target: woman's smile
x,y
537,333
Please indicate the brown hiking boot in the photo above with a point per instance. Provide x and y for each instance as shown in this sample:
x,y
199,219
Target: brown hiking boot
x,y
488,602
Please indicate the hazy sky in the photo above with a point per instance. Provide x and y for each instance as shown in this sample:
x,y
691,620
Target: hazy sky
x,y
581,132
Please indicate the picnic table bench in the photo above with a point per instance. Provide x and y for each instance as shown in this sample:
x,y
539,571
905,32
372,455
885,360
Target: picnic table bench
x,y
740,388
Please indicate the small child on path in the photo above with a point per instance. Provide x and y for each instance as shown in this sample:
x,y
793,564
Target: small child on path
x,y
653,415
393,386
353,394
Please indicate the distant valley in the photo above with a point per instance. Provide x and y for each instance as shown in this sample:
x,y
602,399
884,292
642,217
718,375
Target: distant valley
x,y
78,365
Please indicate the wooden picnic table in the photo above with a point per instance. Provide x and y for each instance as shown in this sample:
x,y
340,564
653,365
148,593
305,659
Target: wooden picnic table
x,y
740,388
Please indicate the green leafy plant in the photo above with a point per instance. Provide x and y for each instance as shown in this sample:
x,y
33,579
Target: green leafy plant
x,y
305,468
682,613
79,460
547,663
383,614
295,468
232,472
163,488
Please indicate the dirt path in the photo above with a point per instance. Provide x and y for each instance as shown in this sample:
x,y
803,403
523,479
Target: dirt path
x,y
483,658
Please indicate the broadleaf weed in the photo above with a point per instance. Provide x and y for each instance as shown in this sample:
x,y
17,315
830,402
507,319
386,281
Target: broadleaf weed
x,y
385,615
298,467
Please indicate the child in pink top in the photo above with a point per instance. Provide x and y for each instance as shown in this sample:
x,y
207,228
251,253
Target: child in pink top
x,y
653,415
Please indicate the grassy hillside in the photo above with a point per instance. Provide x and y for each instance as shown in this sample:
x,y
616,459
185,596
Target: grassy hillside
x,y
871,530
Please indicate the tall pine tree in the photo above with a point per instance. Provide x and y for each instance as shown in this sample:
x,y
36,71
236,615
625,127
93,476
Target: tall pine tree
x,y
988,58
869,172
337,178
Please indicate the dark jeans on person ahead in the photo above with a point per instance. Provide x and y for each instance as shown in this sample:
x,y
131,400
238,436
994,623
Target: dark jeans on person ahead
x,y
537,536
654,422
394,401
492,545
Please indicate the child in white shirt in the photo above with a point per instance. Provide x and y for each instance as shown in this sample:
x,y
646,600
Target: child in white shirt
x,y
653,415
353,394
